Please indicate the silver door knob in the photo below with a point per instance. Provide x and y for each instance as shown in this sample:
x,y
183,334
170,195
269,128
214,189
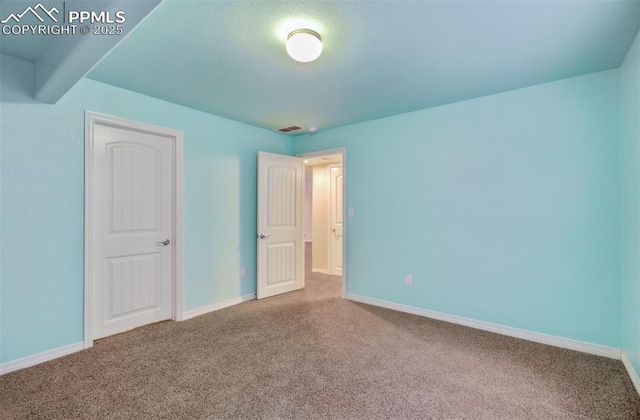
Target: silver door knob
x,y
163,243
262,236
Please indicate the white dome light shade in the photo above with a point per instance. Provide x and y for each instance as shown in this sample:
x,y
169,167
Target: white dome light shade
x,y
304,45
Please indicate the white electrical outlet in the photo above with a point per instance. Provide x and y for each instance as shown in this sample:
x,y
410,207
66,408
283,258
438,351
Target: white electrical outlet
x,y
408,280
243,272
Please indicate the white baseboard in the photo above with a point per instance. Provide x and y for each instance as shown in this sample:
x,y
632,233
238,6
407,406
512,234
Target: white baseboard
x,y
319,270
217,306
552,340
35,359
308,240
631,371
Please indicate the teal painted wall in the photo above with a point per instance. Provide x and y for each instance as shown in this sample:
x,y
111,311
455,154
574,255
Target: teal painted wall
x,y
504,208
630,199
42,177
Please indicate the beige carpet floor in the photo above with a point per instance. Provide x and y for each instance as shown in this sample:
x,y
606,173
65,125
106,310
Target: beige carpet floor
x,y
311,354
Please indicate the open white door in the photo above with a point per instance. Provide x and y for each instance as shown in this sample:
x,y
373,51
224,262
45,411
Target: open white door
x,y
335,219
280,232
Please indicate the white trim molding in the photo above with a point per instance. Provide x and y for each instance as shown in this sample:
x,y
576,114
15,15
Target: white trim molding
x,y
177,291
551,340
36,359
319,270
217,306
631,371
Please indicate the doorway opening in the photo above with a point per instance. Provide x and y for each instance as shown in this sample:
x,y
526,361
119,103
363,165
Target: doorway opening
x,y
324,214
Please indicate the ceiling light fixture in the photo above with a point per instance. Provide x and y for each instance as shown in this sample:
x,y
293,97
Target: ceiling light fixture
x,y
304,45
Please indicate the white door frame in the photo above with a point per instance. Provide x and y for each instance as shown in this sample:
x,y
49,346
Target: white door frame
x,y
177,287
331,152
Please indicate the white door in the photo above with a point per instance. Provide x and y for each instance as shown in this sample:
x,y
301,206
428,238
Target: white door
x,y
280,233
335,219
132,227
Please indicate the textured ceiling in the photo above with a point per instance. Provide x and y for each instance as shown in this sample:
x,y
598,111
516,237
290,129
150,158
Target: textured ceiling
x,y
380,58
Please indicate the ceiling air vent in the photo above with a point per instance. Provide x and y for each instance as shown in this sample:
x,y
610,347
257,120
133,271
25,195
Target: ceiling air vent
x,y
289,129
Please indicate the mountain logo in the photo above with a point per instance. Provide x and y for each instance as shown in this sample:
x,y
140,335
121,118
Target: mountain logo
x,y
34,11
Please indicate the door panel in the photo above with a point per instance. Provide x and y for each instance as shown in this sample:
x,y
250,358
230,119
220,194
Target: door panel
x,y
280,234
281,264
281,196
133,216
131,283
133,173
